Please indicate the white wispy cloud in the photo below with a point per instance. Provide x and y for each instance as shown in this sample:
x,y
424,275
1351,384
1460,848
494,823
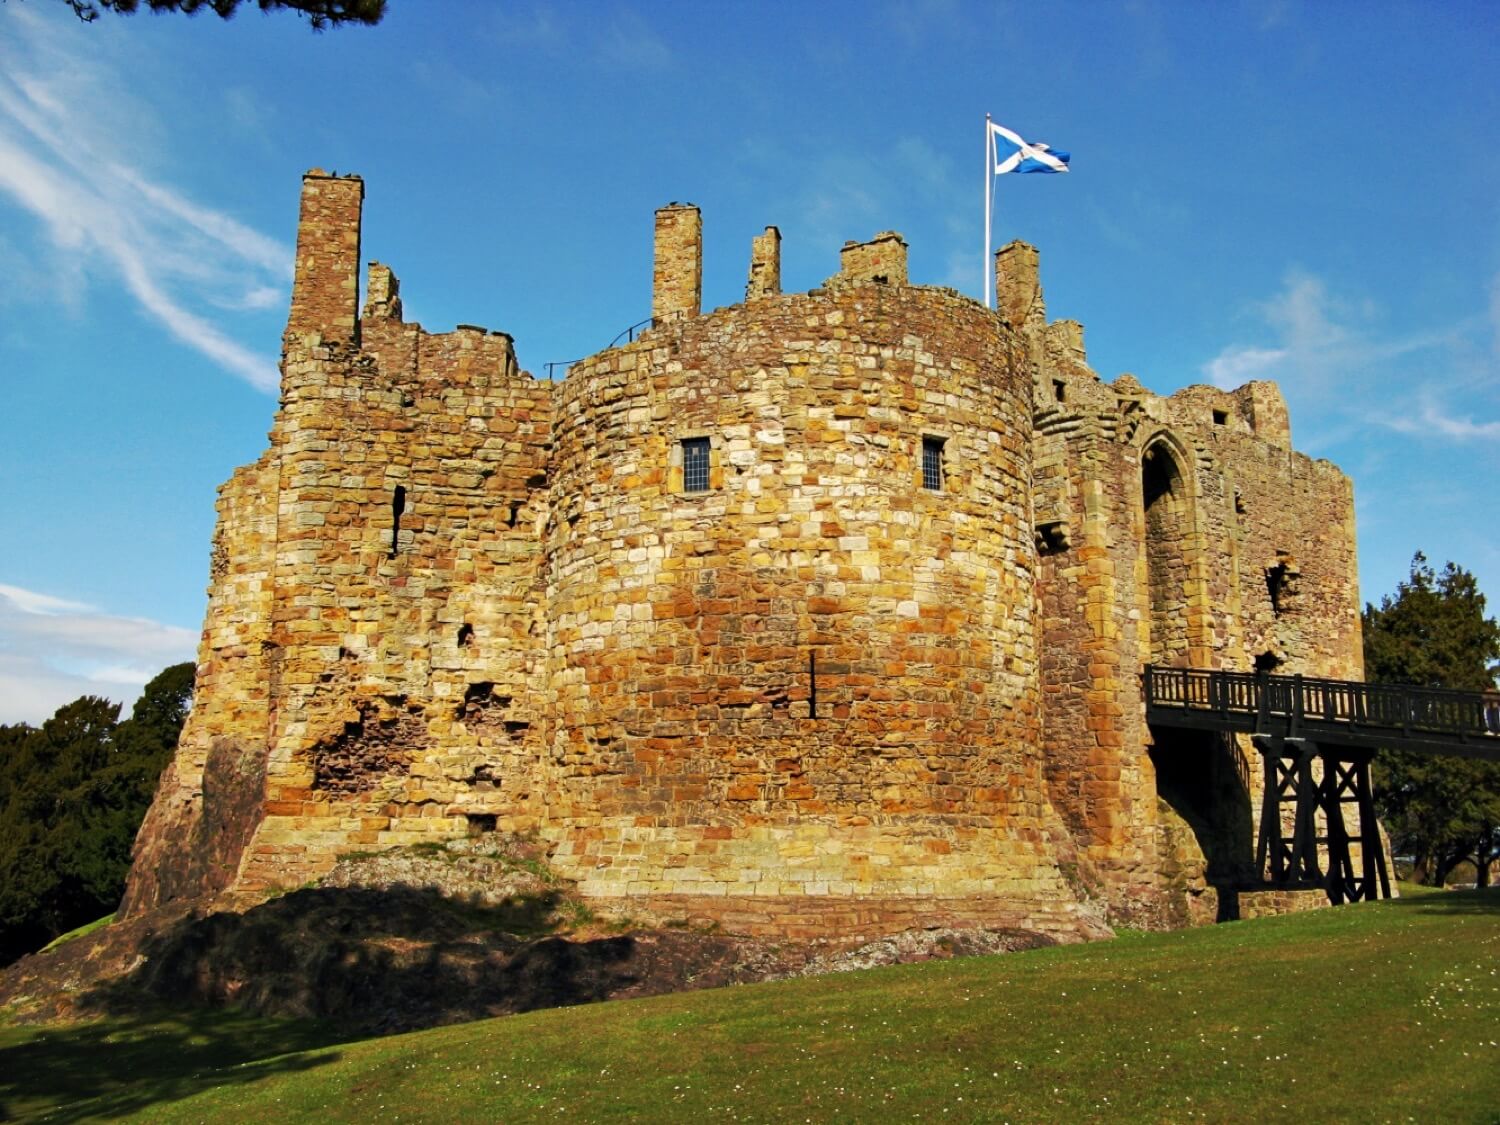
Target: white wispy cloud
x,y
1434,420
622,38
1237,365
1342,368
53,650
629,42
77,172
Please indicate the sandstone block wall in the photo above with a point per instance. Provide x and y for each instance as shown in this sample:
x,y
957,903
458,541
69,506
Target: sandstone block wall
x,y
453,598
1163,526
816,675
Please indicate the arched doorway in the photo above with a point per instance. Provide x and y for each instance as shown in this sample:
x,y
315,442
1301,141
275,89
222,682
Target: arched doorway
x,y
1165,496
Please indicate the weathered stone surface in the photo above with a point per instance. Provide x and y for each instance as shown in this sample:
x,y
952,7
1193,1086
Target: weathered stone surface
x,y
451,598
413,937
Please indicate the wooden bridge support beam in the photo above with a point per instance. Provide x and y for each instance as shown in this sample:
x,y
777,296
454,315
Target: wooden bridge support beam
x,y
1289,780
1347,782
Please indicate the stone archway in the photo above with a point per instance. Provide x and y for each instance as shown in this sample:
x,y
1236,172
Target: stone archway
x,y
1168,510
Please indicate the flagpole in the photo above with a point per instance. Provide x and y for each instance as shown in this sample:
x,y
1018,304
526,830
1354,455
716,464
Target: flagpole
x,y
989,181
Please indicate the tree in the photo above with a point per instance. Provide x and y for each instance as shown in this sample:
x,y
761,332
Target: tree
x,y
1434,633
319,13
72,795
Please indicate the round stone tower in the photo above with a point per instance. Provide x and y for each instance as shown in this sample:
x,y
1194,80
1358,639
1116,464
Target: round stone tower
x,y
791,646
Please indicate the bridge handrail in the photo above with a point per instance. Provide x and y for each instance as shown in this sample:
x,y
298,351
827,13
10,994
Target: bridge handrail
x,y
1314,699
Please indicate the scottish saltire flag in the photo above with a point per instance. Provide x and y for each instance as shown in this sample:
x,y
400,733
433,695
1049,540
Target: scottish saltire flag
x,y
1012,154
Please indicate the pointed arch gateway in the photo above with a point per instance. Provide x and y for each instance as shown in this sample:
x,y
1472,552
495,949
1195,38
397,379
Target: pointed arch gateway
x,y
1168,517
1198,774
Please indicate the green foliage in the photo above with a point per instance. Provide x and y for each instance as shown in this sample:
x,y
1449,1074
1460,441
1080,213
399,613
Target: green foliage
x,y
72,795
319,13
1434,633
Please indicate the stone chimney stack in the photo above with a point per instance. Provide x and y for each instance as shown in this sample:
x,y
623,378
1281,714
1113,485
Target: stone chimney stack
x,y
1065,339
1018,288
765,265
881,260
325,284
677,282
382,293
1262,404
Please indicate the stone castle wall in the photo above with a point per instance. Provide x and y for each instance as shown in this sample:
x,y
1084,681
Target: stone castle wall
x,y
691,630
452,598
1162,524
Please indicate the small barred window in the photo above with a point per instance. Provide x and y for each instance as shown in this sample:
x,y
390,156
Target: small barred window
x,y
695,464
932,463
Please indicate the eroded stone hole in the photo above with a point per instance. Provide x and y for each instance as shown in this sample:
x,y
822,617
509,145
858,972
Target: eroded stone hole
x,y
465,635
484,712
1281,584
480,697
481,823
1051,537
513,514
1267,662
380,744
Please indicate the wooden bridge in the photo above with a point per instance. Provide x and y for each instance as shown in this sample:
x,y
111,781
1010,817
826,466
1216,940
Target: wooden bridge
x,y
1295,720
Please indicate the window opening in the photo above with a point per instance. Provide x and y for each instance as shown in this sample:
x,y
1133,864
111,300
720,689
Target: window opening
x,y
398,506
1221,417
1059,390
932,463
465,634
695,464
812,685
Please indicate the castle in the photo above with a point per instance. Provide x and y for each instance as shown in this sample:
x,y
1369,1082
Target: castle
x,y
825,609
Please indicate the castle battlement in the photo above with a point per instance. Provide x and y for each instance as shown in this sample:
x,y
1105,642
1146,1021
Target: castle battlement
x,y
823,604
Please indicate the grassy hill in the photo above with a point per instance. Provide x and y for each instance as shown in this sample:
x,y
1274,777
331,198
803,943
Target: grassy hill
x,y
1376,1012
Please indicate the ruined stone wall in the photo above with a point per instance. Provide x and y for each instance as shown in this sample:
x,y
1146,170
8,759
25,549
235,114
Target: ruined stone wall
x,y
208,800
686,626
413,476
371,669
453,598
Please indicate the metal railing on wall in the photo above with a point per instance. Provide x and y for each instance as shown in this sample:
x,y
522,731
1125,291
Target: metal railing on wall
x,y
627,335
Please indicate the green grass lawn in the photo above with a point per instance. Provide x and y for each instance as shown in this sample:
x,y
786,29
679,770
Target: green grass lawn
x,y
81,931
1377,1012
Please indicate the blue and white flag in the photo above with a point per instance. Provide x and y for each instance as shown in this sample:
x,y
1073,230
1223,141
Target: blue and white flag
x,y
1012,154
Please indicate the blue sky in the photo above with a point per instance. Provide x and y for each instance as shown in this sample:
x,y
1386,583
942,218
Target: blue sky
x,y
1309,193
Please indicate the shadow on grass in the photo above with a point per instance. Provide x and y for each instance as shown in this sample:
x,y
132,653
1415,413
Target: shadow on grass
x,y
128,1064
1451,902
374,961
